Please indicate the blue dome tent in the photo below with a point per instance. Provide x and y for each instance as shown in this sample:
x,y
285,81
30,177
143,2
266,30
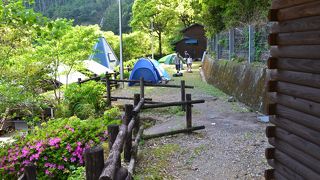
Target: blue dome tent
x,y
149,70
104,54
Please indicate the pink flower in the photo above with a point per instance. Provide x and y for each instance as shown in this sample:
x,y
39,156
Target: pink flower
x,y
69,148
45,158
65,159
73,159
54,141
25,152
61,167
47,172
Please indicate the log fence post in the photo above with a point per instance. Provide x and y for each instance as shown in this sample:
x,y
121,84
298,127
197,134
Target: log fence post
x,y
128,140
189,112
108,89
136,117
183,94
79,81
30,172
141,87
94,160
113,131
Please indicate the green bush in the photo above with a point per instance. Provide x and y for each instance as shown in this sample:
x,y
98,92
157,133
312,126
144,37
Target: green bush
x,y
56,148
84,101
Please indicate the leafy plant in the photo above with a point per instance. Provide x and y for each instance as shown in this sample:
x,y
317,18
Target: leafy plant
x,y
56,148
85,100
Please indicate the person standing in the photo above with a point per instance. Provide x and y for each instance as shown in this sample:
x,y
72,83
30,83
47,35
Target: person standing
x,y
177,62
189,61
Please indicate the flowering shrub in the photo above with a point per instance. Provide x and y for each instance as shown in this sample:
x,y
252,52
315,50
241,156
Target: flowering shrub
x,y
56,148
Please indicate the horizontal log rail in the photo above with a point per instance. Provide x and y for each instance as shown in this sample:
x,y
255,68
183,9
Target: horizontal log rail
x,y
173,104
127,98
167,85
186,130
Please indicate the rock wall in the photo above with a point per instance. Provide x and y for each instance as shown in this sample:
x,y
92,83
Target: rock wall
x,y
246,82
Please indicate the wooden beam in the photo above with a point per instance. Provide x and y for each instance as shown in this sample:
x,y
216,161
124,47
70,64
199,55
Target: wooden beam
x,y
135,145
298,142
297,25
298,104
298,65
282,171
128,140
298,155
297,129
188,130
297,51
279,4
295,165
300,11
172,104
168,86
295,38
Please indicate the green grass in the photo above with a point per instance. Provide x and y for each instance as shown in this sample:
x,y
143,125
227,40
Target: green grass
x,y
194,79
155,161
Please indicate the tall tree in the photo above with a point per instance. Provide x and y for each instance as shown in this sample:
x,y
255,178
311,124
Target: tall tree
x,y
159,12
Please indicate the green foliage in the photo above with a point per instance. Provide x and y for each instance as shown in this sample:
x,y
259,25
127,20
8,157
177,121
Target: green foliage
x,y
84,101
56,148
78,174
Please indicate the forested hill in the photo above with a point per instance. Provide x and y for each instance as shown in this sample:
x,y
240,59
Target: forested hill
x,y
86,12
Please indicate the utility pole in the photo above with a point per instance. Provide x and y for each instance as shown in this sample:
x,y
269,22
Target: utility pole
x,y
120,36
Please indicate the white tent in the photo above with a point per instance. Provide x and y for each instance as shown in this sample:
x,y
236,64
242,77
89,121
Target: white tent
x,y
96,67
72,76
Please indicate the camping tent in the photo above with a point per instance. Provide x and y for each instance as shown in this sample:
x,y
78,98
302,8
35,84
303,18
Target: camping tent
x,y
149,70
163,73
96,68
65,76
168,59
104,54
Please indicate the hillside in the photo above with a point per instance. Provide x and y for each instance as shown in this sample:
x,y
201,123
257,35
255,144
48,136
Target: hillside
x,y
86,12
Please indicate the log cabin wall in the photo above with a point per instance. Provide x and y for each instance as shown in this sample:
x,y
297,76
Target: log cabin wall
x,y
294,90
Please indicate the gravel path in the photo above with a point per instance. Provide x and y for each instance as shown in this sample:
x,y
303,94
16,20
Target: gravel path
x,y
231,147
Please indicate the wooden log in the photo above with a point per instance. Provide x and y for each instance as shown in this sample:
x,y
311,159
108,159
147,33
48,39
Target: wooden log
x,y
114,156
298,142
183,94
139,106
113,131
128,140
298,155
135,145
172,104
279,4
279,176
94,161
124,80
299,91
129,98
136,116
271,131
94,78
298,104
298,65
168,86
297,25
283,171
295,38
297,51
305,79
108,90
30,172
294,165
188,113
121,174
297,129
146,137
269,174
300,11
141,87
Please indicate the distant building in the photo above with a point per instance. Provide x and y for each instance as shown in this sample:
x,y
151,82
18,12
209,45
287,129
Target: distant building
x,y
194,41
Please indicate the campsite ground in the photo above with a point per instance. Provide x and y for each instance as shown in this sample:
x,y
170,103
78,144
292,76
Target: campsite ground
x,y
231,147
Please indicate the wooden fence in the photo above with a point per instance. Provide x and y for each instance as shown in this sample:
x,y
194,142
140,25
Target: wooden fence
x,y
294,90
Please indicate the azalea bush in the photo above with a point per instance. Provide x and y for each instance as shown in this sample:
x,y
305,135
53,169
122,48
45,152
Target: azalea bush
x,y
56,148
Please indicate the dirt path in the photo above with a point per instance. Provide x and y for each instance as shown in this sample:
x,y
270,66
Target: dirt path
x,y
231,147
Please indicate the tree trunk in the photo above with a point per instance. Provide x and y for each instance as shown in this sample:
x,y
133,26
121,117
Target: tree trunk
x,y
160,44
